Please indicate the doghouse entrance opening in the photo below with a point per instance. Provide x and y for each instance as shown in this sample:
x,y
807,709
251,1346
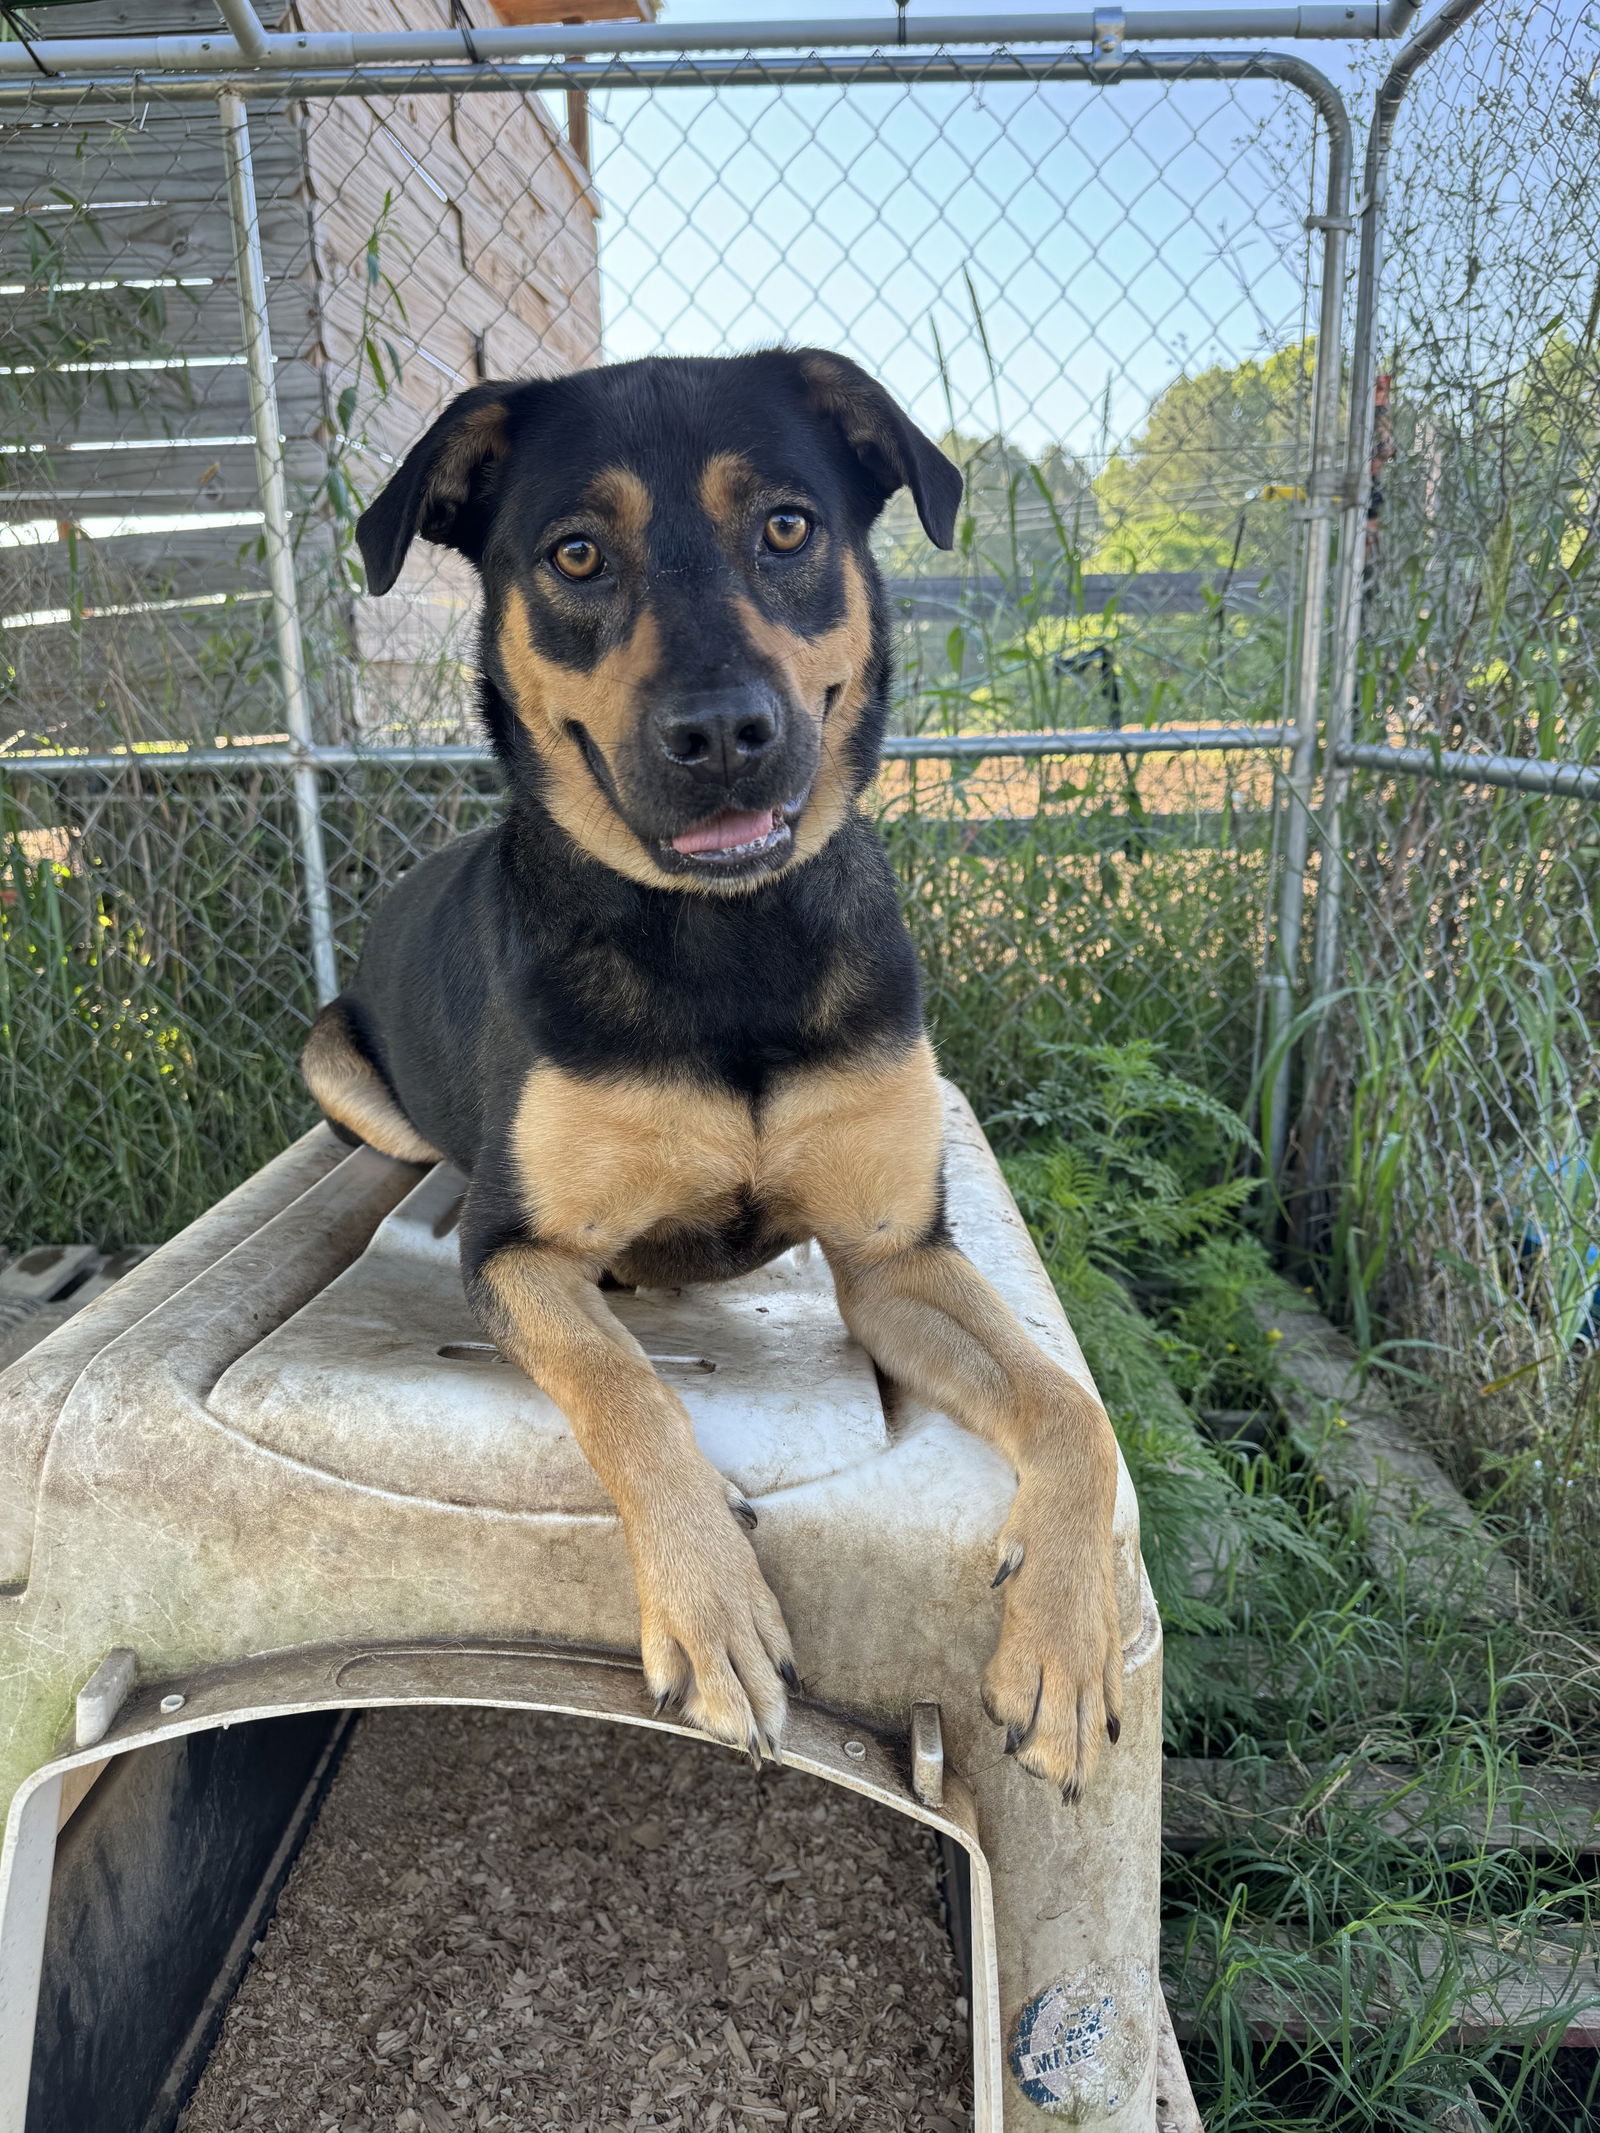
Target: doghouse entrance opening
x,y
507,1919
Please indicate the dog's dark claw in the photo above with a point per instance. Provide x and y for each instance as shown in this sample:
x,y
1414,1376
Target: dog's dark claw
x,y
790,1679
1113,1730
752,1748
1071,1793
1013,1739
668,1700
1002,1574
745,1513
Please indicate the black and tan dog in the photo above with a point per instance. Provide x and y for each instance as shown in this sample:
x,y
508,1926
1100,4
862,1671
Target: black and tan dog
x,y
666,1014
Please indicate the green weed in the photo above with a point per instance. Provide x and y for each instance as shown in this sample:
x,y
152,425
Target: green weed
x,y
1319,1961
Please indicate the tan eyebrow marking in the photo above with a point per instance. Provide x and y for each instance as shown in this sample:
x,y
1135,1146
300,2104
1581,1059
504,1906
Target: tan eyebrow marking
x,y
618,494
728,481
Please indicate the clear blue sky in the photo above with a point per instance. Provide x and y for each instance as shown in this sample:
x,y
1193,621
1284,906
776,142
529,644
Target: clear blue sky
x,y
1111,238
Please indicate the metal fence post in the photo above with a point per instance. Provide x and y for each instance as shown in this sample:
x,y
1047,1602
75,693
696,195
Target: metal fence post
x,y
1348,583
251,278
1322,488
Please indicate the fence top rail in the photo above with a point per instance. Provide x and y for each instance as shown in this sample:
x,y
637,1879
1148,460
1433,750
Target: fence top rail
x,y
116,95
920,747
1461,766
291,51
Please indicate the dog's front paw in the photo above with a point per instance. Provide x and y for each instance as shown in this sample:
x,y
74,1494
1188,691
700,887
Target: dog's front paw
x,y
712,1638
1055,1681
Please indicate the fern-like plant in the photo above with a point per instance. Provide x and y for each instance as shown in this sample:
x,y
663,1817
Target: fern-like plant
x,y
1125,1162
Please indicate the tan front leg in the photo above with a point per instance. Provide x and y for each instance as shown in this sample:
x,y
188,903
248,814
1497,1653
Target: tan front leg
x,y
600,1163
861,1159
711,1636
932,1323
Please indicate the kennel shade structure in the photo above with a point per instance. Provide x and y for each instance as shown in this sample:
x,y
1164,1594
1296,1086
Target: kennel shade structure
x,y
280,1467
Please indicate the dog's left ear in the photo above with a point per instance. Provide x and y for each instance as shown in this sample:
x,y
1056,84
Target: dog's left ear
x,y
885,439
442,488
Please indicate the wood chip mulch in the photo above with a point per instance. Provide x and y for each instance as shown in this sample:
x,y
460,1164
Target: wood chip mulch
x,y
504,1919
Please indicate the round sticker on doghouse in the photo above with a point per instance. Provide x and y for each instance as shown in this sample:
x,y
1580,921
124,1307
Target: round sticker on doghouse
x,y
1082,2047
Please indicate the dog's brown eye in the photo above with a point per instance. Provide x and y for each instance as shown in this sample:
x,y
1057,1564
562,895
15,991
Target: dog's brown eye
x,y
577,558
786,531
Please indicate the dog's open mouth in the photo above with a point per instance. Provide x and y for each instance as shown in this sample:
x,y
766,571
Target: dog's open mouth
x,y
737,837
732,835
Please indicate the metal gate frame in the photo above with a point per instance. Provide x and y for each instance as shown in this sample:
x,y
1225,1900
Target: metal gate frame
x,y
54,77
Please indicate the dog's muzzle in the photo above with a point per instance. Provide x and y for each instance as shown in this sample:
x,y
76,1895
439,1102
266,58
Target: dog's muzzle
x,y
731,770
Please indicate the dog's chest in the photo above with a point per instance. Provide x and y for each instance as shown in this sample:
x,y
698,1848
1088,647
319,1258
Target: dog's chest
x,y
681,1168
606,1161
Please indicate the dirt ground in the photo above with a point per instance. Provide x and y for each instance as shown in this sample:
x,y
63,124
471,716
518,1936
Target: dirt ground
x,y
508,1920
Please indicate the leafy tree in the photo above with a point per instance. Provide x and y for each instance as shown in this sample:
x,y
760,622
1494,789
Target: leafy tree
x,y
1194,490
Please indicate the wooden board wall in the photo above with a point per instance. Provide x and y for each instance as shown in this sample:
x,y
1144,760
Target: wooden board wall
x,y
486,228
121,401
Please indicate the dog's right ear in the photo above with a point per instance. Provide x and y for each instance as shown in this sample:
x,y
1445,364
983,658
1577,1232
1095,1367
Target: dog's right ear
x,y
443,487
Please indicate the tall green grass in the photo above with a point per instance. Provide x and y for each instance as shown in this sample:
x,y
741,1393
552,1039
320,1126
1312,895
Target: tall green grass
x,y
151,993
1456,1137
1317,1961
155,989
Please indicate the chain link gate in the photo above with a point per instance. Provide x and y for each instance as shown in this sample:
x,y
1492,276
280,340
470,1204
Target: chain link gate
x,y
1130,579
1447,1169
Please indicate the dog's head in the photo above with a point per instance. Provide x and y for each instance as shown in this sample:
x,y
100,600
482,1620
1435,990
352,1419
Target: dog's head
x,y
683,623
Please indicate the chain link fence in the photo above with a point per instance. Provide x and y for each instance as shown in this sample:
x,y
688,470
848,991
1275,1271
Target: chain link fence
x,y
1100,282
1449,1154
1101,294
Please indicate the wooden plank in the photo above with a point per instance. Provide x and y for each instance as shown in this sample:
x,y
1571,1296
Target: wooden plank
x,y
445,308
163,564
143,241
143,18
122,716
532,263
425,614
1256,1669
175,159
516,132
368,15
549,242
173,477
500,272
541,264
1509,1977
1417,1524
213,402
474,129
131,325
195,720
1270,1804
416,15
140,567
519,179
444,359
516,12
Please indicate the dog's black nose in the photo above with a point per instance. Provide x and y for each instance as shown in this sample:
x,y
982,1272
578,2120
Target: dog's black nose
x,y
720,736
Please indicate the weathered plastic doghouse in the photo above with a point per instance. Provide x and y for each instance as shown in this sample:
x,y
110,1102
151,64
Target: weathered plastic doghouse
x,y
277,1470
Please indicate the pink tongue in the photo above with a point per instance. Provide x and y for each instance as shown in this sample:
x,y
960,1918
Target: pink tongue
x,y
723,832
